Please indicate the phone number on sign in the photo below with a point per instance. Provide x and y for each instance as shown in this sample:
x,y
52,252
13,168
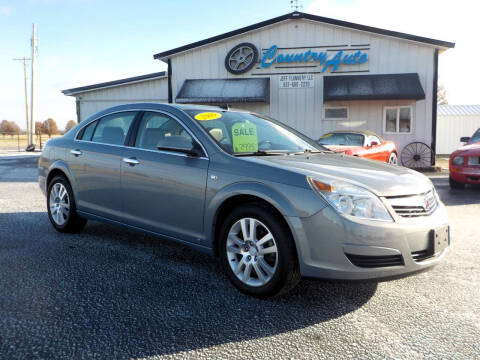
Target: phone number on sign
x,y
297,81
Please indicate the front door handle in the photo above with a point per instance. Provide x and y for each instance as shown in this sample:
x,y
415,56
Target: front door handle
x,y
76,152
131,161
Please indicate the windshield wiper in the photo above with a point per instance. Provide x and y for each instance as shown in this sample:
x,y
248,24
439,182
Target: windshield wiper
x,y
261,153
308,151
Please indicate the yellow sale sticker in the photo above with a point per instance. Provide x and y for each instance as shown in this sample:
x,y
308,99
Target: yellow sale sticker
x,y
244,137
325,136
205,116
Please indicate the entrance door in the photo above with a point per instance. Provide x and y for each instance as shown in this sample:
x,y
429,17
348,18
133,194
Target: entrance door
x,y
164,191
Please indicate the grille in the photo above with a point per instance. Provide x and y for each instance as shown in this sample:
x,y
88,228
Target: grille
x,y
474,160
375,261
414,206
422,255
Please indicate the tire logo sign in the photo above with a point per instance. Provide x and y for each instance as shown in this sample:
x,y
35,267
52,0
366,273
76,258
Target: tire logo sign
x,y
241,58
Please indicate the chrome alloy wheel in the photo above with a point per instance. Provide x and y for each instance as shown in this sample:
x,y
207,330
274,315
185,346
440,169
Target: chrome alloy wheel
x,y
252,252
393,160
59,204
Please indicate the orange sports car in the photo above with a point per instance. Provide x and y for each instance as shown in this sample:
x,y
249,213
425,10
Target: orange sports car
x,y
362,143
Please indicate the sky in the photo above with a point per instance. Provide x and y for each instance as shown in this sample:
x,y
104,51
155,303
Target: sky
x,y
81,42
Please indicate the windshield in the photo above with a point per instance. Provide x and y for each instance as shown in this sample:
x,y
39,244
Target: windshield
x,y
347,139
243,133
476,137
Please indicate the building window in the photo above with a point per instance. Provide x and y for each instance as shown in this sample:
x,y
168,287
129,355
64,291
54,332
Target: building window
x,y
397,119
335,113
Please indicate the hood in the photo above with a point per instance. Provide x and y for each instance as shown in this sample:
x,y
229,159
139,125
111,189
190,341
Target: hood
x,y
381,179
470,149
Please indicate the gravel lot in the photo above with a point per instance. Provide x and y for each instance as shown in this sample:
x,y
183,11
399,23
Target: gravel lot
x,y
113,293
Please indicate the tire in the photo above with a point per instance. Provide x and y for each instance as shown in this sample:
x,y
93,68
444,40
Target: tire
x,y
61,207
455,184
393,159
282,265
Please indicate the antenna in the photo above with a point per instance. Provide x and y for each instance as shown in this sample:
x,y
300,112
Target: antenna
x,y
294,5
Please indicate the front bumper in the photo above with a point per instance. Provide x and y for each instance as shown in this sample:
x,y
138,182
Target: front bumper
x,y
329,245
466,175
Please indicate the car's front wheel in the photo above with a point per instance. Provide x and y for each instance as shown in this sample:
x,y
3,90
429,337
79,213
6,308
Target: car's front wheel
x,y
455,184
393,159
61,207
258,252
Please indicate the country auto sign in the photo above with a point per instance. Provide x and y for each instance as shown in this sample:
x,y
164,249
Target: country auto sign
x,y
243,57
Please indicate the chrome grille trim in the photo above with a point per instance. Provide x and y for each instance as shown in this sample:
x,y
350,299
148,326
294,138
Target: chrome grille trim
x,y
414,206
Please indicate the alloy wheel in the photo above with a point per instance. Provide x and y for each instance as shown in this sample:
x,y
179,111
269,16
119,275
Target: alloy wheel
x,y
252,252
393,159
59,204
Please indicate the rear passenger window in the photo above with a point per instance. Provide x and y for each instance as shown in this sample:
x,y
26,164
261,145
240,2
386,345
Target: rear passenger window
x,y
113,129
88,131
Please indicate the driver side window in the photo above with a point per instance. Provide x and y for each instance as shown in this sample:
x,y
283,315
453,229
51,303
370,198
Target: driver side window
x,y
155,128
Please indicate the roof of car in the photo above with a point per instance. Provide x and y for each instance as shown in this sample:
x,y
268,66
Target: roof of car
x,y
158,106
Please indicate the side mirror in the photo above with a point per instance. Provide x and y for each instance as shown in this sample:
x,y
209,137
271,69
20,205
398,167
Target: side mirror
x,y
181,144
464,139
373,143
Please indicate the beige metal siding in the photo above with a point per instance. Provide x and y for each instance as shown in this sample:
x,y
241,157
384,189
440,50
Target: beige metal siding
x,y
450,128
303,108
94,101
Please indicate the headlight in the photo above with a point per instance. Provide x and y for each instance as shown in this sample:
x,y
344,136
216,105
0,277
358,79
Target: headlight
x,y
351,200
458,160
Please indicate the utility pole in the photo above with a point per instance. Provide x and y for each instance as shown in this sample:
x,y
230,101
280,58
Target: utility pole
x,y
32,98
24,59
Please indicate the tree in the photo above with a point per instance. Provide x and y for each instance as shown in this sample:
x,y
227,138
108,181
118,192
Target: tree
x,y
9,127
49,127
442,95
38,127
70,124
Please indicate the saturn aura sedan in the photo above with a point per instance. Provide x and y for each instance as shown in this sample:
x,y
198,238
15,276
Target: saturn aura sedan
x,y
269,202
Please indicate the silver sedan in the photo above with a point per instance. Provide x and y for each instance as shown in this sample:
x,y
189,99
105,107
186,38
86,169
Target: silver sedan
x,y
271,203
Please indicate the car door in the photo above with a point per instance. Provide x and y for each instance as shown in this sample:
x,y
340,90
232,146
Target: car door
x,y
163,191
374,148
95,164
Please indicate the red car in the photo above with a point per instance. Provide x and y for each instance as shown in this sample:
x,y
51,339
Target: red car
x,y
362,143
464,163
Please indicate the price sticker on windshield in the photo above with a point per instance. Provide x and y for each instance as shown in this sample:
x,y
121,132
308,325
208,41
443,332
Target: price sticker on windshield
x,y
206,116
244,137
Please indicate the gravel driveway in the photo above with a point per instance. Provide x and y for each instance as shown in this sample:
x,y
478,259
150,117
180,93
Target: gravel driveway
x,y
113,293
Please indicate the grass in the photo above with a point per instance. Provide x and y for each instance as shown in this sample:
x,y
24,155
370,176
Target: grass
x,y
19,142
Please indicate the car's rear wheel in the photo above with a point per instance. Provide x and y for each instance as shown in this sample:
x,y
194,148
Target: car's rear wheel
x,y
393,159
455,184
257,251
61,207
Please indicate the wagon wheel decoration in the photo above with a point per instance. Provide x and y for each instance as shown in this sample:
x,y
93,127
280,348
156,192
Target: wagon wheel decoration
x,y
417,155
241,58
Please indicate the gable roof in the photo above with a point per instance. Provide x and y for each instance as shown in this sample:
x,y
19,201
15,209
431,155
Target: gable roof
x,y
301,15
452,110
134,79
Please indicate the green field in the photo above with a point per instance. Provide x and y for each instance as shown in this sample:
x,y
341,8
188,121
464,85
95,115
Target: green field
x,y
19,142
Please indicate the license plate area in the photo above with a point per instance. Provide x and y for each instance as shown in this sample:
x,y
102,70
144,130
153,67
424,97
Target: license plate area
x,y
440,239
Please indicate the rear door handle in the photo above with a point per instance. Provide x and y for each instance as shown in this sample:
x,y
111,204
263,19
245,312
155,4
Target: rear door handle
x,y
76,152
131,161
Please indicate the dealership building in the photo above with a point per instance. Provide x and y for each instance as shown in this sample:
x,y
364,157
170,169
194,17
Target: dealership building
x,y
313,73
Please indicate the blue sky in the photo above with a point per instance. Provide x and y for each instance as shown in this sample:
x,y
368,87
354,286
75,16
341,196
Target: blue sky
x,y
86,41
